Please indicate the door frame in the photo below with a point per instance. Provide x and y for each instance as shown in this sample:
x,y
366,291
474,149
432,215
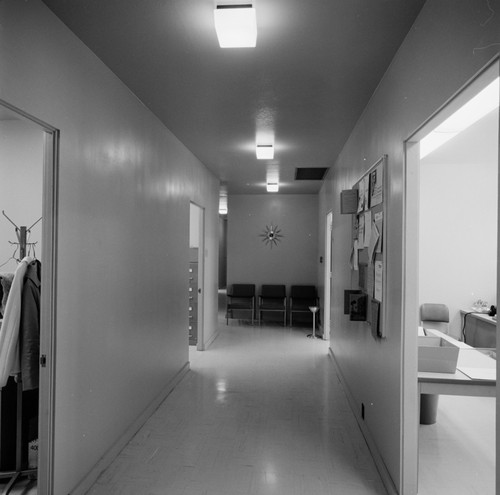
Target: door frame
x,y
201,274
50,192
328,275
411,277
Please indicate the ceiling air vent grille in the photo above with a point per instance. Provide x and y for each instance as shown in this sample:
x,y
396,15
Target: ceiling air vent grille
x,y
310,173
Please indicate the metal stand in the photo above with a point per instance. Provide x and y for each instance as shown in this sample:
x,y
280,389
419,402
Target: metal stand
x,y
314,310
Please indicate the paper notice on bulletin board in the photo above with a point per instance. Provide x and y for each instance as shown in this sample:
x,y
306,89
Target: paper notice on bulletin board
x,y
375,236
379,273
366,189
361,196
370,280
378,218
361,232
368,228
354,261
376,186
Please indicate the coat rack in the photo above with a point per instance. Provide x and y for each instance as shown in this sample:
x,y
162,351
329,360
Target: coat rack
x,y
22,237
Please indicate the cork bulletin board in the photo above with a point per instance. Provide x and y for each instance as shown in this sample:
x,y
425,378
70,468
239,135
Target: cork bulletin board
x,y
365,202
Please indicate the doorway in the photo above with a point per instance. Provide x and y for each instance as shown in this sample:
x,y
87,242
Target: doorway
x,y
28,165
196,278
328,275
451,254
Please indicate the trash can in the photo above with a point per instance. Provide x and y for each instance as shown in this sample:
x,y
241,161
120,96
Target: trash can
x,y
428,408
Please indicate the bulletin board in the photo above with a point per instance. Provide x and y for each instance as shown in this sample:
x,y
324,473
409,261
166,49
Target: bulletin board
x,y
365,202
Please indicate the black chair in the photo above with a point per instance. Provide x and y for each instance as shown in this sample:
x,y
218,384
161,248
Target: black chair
x,y
301,298
273,298
240,297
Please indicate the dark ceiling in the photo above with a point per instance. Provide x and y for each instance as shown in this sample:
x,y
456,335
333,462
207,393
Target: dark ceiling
x,y
305,85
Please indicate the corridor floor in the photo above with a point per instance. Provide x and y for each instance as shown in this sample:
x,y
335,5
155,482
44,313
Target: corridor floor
x,y
261,412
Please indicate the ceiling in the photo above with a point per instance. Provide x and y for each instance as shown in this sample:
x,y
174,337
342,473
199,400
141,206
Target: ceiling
x,y
305,85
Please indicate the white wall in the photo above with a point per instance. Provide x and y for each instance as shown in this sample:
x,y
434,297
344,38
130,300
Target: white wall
x,y
458,218
444,49
125,187
294,260
21,168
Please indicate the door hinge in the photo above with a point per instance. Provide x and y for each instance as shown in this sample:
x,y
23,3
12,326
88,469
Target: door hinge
x,y
43,360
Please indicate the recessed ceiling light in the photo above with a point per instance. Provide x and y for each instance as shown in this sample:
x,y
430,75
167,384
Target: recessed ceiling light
x,y
236,26
265,151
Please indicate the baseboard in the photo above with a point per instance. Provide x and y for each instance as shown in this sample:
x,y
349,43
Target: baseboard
x,y
86,483
372,446
210,341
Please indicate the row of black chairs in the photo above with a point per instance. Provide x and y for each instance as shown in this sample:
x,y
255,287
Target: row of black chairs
x,y
272,299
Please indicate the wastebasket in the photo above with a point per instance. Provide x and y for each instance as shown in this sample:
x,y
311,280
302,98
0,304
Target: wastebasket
x,y
428,408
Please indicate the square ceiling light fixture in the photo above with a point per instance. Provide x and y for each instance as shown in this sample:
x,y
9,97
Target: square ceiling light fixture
x,y
273,187
264,152
236,26
223,205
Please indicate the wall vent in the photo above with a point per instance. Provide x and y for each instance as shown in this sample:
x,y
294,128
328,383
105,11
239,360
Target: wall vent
x,y
310,173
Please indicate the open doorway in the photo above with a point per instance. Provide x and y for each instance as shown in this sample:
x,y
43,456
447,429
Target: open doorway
x,y
196,271
451,258
28,158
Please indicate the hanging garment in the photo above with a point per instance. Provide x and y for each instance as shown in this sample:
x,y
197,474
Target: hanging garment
x,y
9,332
29,330
6,282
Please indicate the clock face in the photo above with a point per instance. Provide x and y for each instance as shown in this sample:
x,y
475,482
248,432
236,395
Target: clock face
x,y
271,235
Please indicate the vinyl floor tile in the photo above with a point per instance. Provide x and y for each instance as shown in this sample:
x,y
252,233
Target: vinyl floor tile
x,y
261,412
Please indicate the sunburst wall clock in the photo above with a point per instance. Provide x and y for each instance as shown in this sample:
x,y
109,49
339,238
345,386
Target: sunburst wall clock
x,y
271,235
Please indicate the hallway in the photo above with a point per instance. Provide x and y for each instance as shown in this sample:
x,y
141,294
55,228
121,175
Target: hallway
x,y
261,412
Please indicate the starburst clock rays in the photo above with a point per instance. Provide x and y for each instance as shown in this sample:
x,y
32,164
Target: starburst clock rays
x,y
271,235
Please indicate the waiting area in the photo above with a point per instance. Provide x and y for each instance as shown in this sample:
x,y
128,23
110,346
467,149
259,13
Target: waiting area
x,y
272,303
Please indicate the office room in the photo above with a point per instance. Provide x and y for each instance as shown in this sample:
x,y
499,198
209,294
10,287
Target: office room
x,y
458,267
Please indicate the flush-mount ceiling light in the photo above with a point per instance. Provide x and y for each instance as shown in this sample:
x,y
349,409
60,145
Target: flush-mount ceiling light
x,y
475,109
265,152
273,187
223,200
236,26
